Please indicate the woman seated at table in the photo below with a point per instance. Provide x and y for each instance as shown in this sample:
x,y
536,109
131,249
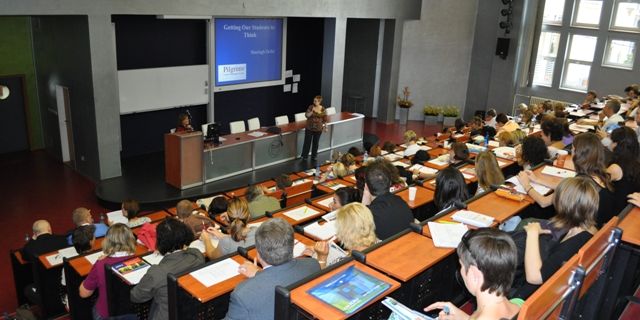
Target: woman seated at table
x,y
411,141
531,152
338,171
345,195
459,153
355,230
349,161
397,181
173,240
487,171
488,259
624,167
552,134
130,210
118,245
217,206
419,158
589,161
450,188
239,233
259,202
576,204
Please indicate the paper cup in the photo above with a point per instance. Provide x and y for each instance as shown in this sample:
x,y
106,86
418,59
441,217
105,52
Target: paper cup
x,y
412,193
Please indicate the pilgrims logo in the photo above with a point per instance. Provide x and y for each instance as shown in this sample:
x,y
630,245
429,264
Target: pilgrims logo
x,y
232,72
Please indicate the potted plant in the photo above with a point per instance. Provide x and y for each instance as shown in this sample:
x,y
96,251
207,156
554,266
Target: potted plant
x,y
431,114
404,103
450,113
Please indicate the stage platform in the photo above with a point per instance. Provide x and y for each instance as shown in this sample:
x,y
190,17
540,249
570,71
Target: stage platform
x,y
143,180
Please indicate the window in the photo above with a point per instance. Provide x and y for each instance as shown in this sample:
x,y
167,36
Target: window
x,y
587,13
546,58
553,11
619,54
578,62
626,16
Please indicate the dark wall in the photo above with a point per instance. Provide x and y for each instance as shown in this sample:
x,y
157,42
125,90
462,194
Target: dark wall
x,y
360,64
61,47
142,132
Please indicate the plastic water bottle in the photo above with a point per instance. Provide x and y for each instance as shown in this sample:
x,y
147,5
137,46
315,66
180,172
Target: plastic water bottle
x,y
317,173
486,140
365,157
26,237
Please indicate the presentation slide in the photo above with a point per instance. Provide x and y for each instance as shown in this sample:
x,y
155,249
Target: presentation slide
x,y
247,50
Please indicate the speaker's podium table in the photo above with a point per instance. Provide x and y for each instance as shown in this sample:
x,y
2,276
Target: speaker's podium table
x,y
183,159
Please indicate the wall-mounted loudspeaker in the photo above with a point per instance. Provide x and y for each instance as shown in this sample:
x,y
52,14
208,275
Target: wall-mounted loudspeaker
x,y
502,47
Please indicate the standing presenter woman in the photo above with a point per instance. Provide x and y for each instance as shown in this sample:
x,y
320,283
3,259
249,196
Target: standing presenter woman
x,y
316,123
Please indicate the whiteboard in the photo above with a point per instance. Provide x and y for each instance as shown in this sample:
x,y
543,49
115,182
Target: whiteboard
x,y
162,88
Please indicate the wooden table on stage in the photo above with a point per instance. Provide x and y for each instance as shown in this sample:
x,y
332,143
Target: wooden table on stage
x,y
631,227
205,294
423,196
321,310
407,256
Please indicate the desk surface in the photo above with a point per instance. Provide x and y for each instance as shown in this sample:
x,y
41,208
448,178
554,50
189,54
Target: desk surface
x,y
321,310
299,237
332,185
423,196
204,294
631,227
545,178
407,256
281,214
316,202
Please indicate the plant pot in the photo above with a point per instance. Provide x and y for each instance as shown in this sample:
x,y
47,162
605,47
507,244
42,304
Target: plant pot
x,y
430,120
449,121
404,115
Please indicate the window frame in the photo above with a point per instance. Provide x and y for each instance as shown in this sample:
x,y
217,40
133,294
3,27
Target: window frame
x,y
568,60
574,16
606,52
614,12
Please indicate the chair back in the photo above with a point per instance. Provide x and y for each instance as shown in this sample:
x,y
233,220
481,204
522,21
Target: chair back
x,y
254,124
331,110
282,120
556,298
300,117
237,127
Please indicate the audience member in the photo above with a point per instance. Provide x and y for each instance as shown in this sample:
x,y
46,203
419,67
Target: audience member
x,y
490,118
458,153
552,134
390,213
389,147
345,195
42,241
475,126
131,209
531,152
613,119
354,151
240,234
259,203
349,161
558,110
487,171
254,298
411,141
504,124
375,151
119,245
450,188
283,181
82,217
576,204
83,239
196,221
624,167
217,206
338,170
419,158
589,99
488,261
174,238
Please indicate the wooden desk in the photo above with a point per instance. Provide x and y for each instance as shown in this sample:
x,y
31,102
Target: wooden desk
x,y
83,266
631,227
316,202
350,178
407,256
299,237
498,207
423,196
335,184
204,294
321,310
545,178
281,214
436,152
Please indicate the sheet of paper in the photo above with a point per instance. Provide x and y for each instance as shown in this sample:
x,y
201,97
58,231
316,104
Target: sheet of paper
x,y
298,249
425,148
423,169
299,181
296,78
326,202
505,152
520,189
154,258
286,88
330,216
288,73
401,164
392,157
294,88
92,258
473,218
254,224
493,143
217,272
117,217
323,231
301,213
558,172
56,259
447,235
502,164
256,134
444,161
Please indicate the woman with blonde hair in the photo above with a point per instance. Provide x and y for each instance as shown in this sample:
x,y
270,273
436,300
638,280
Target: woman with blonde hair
x,y
411,141
576,205
355,229
338,170
118,245
487,171
239,233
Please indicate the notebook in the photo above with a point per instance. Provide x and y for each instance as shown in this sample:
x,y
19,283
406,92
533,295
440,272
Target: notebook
x,y
401,312
446,235
132,270
423,169
349,290
473,218
558,172
323,231
117,217
520,189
